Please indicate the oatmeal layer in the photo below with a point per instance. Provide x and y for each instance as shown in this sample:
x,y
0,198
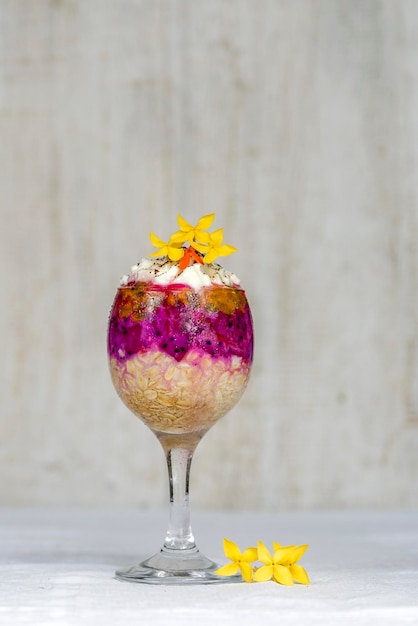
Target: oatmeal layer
x,y
179,396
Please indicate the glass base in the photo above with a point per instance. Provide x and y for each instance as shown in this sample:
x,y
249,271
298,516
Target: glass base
x,y
176,567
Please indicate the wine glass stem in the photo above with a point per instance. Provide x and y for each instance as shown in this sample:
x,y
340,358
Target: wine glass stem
x,y
179,534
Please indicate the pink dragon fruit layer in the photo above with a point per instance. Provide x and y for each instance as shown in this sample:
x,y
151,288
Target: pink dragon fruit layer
x,y
175,329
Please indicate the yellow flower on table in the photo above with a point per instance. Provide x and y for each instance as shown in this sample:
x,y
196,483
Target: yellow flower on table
x,y
240,561
274,565
172,249
299,573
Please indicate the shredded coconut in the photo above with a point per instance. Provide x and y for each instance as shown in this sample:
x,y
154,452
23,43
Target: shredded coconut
x,y
162,271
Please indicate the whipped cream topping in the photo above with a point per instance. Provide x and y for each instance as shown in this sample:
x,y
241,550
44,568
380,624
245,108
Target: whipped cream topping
x,y
162,271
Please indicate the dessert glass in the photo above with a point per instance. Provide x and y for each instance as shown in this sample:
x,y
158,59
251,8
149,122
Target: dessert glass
x,y
179,359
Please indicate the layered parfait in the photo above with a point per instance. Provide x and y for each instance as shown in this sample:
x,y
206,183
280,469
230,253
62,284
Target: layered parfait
x,y
180,338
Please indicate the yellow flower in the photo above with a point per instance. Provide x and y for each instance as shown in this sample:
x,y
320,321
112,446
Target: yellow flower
x,y
214,247
173,250
274,565
240,561
299,573
191,233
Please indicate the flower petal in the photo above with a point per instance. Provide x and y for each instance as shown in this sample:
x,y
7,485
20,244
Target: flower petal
x,y
231,550
282,575
200,236
246,571
299,574
216,237
156,241
175,254
183,224
226,249
289,551
249,555
201,247
263,554
179,237
298,552
283,555
227,570
160,252
263,574
193,255
205,222
211,256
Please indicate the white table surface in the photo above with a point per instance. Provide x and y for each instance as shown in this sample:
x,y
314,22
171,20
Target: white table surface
x,y
57,568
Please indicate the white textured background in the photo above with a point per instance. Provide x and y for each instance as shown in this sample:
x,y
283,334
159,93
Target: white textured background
x,y
296,121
